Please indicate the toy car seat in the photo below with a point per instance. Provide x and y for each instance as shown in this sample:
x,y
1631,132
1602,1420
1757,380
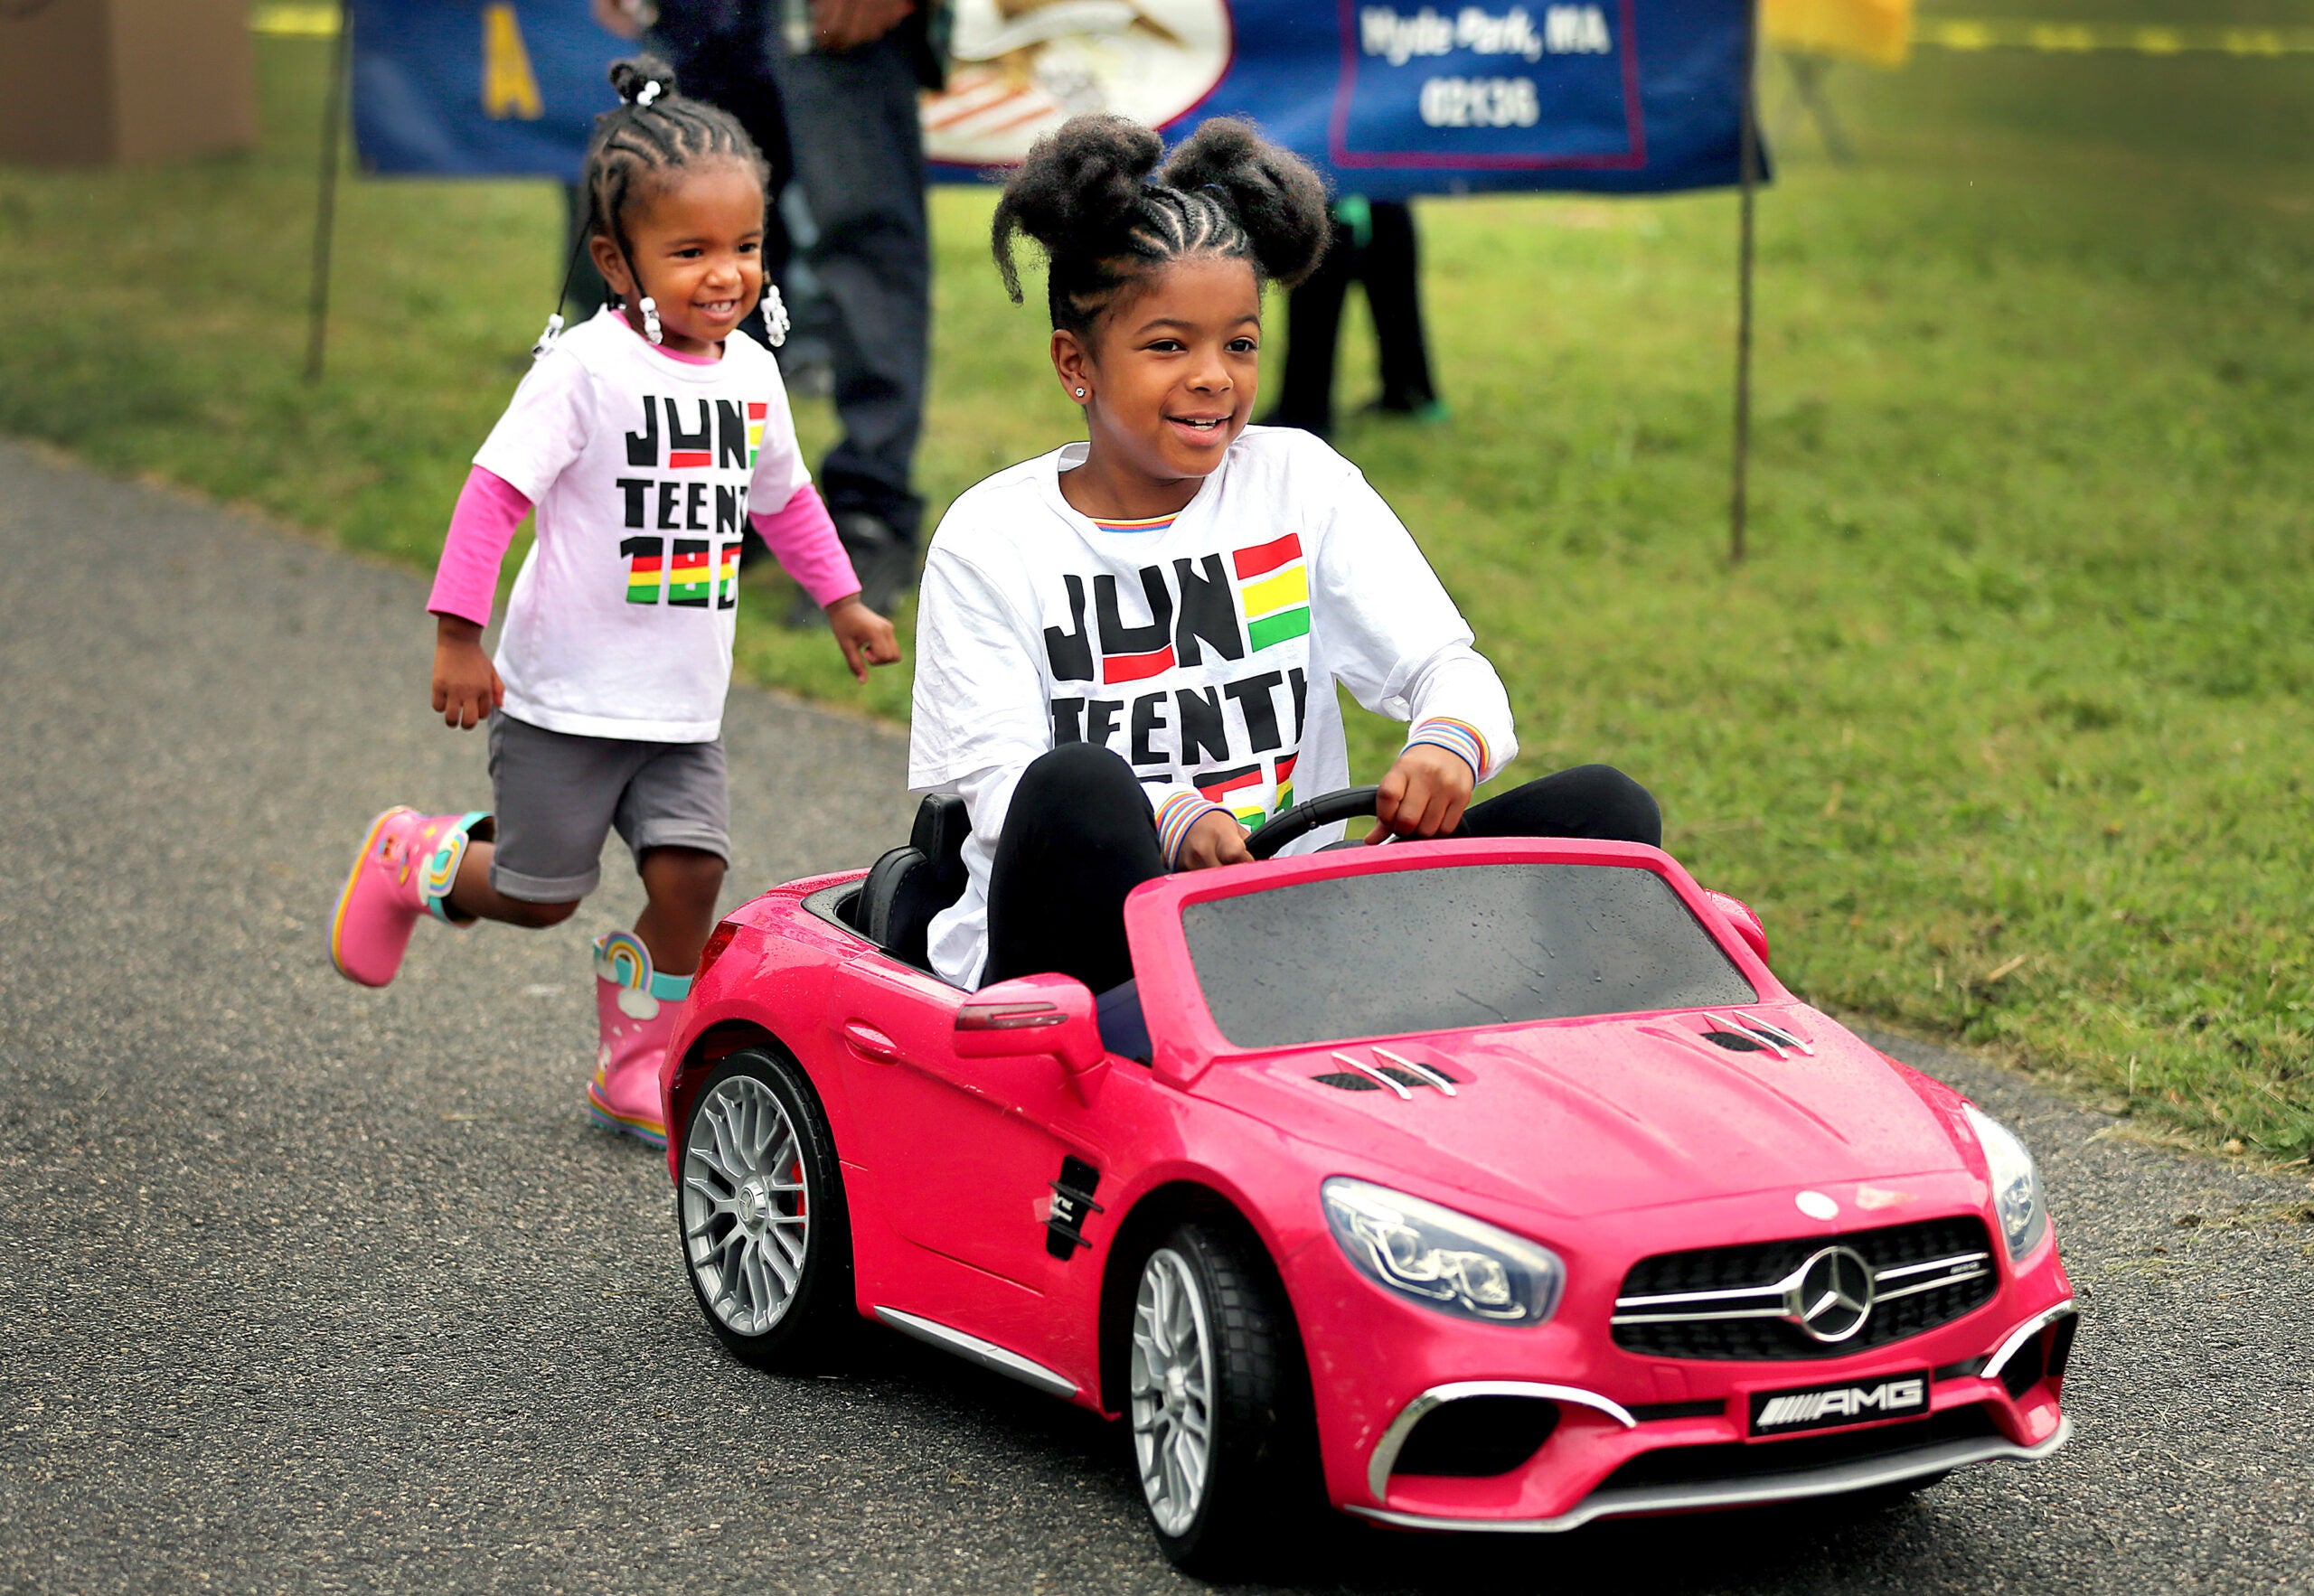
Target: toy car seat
x,y
909,885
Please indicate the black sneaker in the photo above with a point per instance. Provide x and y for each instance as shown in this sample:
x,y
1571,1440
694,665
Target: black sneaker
x,y
881,559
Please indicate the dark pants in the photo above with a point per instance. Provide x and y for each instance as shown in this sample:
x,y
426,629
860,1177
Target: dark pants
x,y
858,148
1080,835
1383,261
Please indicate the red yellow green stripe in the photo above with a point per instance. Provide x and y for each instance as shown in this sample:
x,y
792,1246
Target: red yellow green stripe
x,y
1274,585
686,578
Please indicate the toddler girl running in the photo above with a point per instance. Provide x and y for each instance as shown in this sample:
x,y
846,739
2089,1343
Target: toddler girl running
x,y
1128,648
646,439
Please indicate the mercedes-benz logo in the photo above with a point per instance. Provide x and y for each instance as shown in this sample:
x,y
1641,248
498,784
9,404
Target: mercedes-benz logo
x,y
1832,1296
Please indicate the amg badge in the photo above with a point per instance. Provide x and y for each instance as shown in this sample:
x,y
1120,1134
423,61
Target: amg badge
x,y
1898,1396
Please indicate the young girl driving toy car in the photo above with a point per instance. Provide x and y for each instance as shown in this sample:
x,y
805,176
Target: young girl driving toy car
x,y
1128,648
646,439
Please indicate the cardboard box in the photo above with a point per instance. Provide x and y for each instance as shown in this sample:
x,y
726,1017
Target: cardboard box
x,y
110,82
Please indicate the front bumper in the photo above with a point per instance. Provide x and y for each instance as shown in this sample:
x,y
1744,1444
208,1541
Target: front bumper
x,y
1787,1485
1636,1433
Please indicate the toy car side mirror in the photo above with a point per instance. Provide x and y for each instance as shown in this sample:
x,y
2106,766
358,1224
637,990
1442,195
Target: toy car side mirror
x,y
1738,914
1029,1015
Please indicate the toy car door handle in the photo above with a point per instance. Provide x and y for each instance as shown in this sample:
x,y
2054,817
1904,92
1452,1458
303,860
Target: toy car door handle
x,y
866,1039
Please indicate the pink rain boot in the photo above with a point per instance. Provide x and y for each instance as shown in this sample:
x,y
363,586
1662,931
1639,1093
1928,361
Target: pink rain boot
x,y
636,1010
403,872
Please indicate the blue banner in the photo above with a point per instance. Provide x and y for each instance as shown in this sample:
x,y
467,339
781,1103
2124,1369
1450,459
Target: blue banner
x,y
1391,100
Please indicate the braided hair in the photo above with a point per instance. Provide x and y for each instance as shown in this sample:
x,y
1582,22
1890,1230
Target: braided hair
x,y
1091,193
635,150
655,132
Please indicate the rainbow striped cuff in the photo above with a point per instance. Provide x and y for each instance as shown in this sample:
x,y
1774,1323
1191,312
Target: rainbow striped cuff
x,y
1456,736
1178,813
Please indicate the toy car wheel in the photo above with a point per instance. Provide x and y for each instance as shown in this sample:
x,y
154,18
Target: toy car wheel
x,y
1220,1431
767,1242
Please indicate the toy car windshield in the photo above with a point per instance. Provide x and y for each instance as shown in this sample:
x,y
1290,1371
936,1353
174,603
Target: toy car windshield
x,y
1404,951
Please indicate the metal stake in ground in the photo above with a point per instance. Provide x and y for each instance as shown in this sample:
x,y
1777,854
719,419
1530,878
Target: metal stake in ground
x,y
326,209
1748,137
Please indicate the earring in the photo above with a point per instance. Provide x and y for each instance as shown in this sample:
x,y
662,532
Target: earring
x,y
1080,393
650,309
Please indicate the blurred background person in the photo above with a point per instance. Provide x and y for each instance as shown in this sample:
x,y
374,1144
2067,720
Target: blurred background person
x,y
1373,244
850,72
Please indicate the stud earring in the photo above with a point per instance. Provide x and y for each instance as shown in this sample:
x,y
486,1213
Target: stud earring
x,y
650,309
1080,393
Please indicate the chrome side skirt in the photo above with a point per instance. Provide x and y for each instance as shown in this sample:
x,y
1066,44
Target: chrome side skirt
x,y
972,1349
1796,1486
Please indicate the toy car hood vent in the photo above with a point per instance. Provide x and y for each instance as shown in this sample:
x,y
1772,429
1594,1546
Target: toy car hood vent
x,y
1739,1032
1388,1071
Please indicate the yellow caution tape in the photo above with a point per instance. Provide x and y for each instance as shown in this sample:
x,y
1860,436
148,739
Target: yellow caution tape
x,y
2138,39
294,22
1875,31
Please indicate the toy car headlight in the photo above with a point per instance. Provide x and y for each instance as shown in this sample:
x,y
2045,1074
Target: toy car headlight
x,y
2016,1185
1442,1259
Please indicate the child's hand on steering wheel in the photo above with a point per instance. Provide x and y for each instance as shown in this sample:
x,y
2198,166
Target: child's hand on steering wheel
x,y
1217,839
1423,796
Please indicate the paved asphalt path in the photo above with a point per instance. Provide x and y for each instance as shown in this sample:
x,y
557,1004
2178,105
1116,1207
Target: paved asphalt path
x,y
305,1287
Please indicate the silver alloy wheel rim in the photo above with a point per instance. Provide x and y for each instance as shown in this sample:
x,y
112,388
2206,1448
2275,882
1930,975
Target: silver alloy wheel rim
x,y
747,1217
1172,1391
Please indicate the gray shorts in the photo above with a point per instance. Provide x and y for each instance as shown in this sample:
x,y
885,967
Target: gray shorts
x,y
559,794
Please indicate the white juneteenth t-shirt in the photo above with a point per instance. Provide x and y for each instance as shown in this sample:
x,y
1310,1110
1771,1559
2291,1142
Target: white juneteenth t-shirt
x,y
643,469
1205,651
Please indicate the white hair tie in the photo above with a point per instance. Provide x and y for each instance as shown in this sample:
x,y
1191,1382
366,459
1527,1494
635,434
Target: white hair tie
x,y
647,94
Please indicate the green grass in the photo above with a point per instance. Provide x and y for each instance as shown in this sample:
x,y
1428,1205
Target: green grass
x,y
2003,727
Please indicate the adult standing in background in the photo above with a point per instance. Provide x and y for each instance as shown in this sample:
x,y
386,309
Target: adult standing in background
x,y
1374,244
849,74
844,78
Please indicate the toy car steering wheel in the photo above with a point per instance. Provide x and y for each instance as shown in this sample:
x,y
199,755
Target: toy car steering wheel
x,y
1321,810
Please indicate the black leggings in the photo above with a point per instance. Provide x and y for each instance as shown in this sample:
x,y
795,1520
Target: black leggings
x,y
1080,835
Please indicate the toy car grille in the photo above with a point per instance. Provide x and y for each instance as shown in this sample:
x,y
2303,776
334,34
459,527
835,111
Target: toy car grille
x,y
1735,1302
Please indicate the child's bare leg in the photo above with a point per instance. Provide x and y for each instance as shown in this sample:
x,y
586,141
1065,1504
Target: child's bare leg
x,y
683,885
473,894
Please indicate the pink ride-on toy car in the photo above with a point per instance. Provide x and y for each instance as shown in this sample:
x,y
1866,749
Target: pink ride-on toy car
x,y
1491,1185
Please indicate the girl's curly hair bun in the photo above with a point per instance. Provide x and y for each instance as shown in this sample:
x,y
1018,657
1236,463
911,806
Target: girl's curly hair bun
x,y
1088,178
641,79
1086,195
1277,198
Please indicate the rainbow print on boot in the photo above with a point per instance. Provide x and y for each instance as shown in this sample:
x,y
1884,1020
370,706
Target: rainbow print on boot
x,y
636,1011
